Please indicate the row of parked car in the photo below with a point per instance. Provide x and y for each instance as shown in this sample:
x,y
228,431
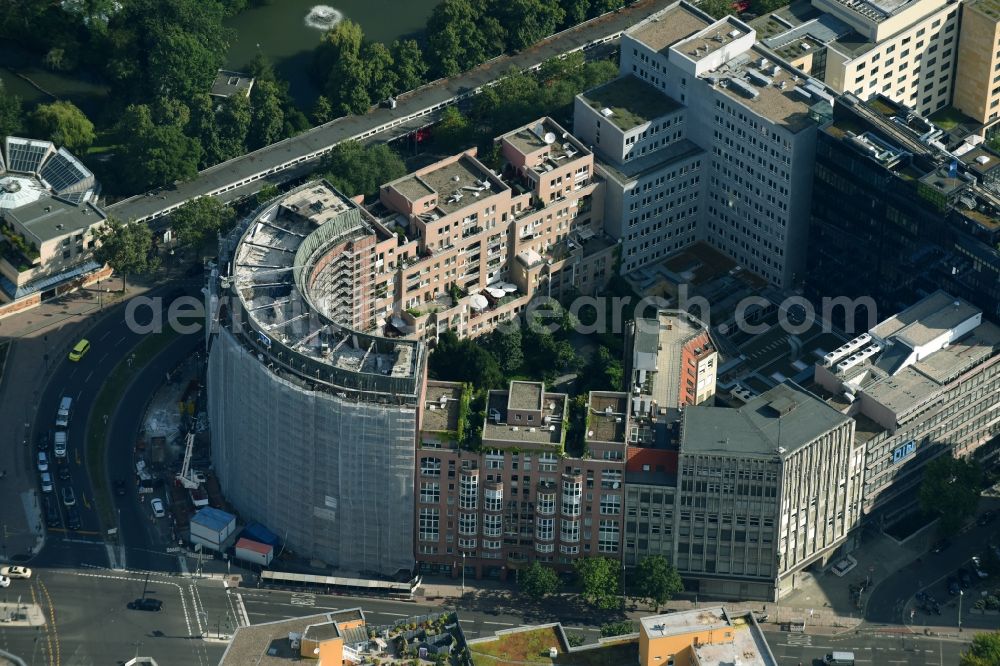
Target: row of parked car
x,y
66,493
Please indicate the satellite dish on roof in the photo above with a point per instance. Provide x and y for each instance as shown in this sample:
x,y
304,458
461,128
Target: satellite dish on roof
x,y
549,138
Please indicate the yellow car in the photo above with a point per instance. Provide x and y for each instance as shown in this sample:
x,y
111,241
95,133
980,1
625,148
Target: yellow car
x,y
81,348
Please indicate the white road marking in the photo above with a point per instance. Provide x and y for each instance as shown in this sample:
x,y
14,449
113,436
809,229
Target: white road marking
x,y
89,375
106,334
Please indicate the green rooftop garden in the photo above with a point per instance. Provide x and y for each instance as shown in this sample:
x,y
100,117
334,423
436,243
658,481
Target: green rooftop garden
x,y
631,101
532,647
949,118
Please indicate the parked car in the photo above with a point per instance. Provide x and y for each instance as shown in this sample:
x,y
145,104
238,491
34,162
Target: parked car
x,y
953,586
940,546
43,461
43,440
46,482
4,581
964,579
68,496
73,518
60,444
15,572
51,511
977,566
986,518
120,488
146,604
64,473
157,505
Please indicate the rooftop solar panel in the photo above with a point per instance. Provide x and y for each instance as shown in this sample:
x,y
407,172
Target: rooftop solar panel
x,y
27,155
64,173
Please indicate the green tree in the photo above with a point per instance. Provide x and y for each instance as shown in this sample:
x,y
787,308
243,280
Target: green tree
x,y
604,6
154,154
604,372
126,247
411,70
457,41
267,192
599,579
716,8
234,118
164,47
984,650
204,128
656,581
340,68
355,169
200,220
575,11
950,489
10,112
538,581
322,111
381,74
267,118
611,629
464,360
528,21
62,123
454,132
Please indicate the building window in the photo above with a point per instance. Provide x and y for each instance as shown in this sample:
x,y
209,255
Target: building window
x,y
611,505
429,520
430,467
607,536
544,529
430,492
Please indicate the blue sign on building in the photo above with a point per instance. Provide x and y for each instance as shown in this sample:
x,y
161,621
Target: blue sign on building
x,y
903,451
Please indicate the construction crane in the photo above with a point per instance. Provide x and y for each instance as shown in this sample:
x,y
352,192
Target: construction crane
x,y
189,478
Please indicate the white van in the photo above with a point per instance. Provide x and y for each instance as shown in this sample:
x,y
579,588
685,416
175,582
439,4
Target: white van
x,y
59,447
839,659
62,416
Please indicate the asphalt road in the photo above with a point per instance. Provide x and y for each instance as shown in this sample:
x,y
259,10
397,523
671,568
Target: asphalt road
x,y
892,599
111,340
875,649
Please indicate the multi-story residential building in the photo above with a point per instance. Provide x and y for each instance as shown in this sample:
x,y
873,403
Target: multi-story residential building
x,y
977,79
475,246
706,136
49,213
758,494
673,361
523,496
921,384
905,51
313,421
895,213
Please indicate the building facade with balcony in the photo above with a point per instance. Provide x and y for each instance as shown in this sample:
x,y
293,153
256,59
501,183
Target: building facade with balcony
x,y
523,496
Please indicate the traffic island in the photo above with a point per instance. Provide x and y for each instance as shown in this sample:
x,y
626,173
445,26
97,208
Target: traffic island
x,y
21,615
98,424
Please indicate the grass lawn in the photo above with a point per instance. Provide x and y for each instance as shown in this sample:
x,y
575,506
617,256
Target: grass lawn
x,y
532,647
949,117
109,396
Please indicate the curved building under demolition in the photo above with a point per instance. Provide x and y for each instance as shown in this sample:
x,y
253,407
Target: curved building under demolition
x,y
313,421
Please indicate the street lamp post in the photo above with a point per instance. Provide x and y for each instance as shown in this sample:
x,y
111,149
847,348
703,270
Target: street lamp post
x,y
961,594
463,574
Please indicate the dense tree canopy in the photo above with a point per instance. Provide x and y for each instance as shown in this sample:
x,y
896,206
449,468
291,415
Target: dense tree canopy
x,y
11,117
355,169
126,247
599,579
655,581
984,650
199,220
538,581
63,124
950,489
156,151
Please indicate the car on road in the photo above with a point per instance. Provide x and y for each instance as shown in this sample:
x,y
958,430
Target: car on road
x,y
120,488
62,415
941,546
964,579
146,604
43,461
60,444
953,586
838,658
977,565
51,511
985,518
73,518
64,473
15,572
4,581
68,496
46,479
44,437
79,350
157,505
